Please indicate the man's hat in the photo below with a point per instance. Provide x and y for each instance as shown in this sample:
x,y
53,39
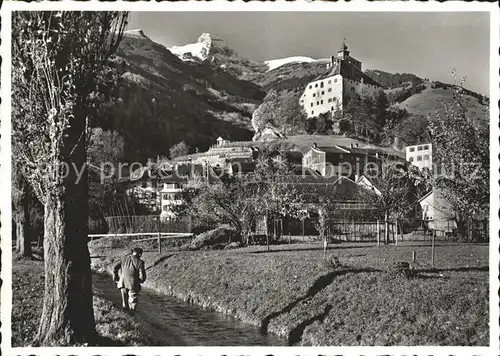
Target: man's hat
x,y
137,250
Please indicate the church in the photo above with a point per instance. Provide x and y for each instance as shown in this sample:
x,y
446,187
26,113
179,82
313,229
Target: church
x,y
329,91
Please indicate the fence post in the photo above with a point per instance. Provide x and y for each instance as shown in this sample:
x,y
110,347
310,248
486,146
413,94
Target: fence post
x,y
378,232
433,237
397,232
159,235
413,256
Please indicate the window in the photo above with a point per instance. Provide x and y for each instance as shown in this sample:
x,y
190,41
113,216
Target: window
x,y
323,92
426,157
335,80
412,149
329,90
322,84
329,100
411,159
312,104
419,148
419,158
316,85
312,112
321,101
332,108
426,147
310,86
317,103
314,95
329,82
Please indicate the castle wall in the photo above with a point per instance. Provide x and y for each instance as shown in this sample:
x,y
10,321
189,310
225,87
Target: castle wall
x,y
322,95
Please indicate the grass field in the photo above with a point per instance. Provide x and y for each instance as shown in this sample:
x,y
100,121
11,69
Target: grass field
x,y
292,291
115,328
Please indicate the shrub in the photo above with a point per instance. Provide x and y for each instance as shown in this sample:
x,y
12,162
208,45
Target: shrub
x,y
221,235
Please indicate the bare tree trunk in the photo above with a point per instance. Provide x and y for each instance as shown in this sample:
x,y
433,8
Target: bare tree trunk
x,y
68,316
22,218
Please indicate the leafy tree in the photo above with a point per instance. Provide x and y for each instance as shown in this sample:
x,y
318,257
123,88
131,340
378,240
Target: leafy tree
x,y
240,200
61,73
394,190
179,149
267,112
461,154
292,118
106,147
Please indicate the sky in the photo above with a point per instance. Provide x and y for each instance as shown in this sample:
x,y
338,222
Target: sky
x,y
427,44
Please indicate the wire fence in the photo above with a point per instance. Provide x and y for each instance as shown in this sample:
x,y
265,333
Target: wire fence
x,y
147,223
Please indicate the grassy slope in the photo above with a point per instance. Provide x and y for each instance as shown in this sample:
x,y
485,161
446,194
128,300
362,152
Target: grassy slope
x,y
430,101
114,326
292,292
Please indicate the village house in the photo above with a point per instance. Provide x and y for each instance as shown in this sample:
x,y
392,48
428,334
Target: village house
x,y
437,213
420,155
350,161
223,155
160,190
344,77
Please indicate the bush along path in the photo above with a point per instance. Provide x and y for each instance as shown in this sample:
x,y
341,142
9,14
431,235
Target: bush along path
x,y
291,291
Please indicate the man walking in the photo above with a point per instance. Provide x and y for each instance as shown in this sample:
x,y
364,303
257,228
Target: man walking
x,y
129,281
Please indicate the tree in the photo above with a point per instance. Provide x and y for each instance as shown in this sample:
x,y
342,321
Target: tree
x,y
240,200
106,147
179,149
461,158
267,112
62,72
394,189
21,211
291,118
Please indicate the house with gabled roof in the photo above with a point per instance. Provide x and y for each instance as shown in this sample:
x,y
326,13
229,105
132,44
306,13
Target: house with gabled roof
x,y
349,161
328,92
438,213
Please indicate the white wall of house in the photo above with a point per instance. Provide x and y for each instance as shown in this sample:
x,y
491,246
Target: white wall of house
x,y
316,160
420,155
171,195
322,96
438,212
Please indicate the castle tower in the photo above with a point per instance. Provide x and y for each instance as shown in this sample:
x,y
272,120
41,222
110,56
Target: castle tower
x,y
343,53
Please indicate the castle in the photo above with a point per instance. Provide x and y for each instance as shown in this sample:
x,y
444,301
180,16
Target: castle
x,y
329,91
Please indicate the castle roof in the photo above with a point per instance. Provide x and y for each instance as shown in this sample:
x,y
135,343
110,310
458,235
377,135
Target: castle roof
x,y
347,70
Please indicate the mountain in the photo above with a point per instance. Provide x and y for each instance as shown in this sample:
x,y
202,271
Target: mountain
x,y
212,49
275,63
200,91
165,100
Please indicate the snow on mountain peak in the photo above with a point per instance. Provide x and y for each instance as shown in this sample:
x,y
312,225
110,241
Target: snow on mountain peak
x,y
275,63
135,33
207,44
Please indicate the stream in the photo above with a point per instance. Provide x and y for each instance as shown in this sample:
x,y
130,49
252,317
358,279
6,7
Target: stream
x,y
175,323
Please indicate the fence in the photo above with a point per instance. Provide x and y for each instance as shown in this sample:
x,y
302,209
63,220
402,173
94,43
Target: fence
x,y
360,231
147,223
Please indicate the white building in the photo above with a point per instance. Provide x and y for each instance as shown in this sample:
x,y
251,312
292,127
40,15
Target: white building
x,y
171,195
438,213
420,155
344,77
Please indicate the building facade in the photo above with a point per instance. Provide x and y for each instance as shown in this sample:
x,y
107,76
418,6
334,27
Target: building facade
x,y
420,155
328,92
437,213
347,161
